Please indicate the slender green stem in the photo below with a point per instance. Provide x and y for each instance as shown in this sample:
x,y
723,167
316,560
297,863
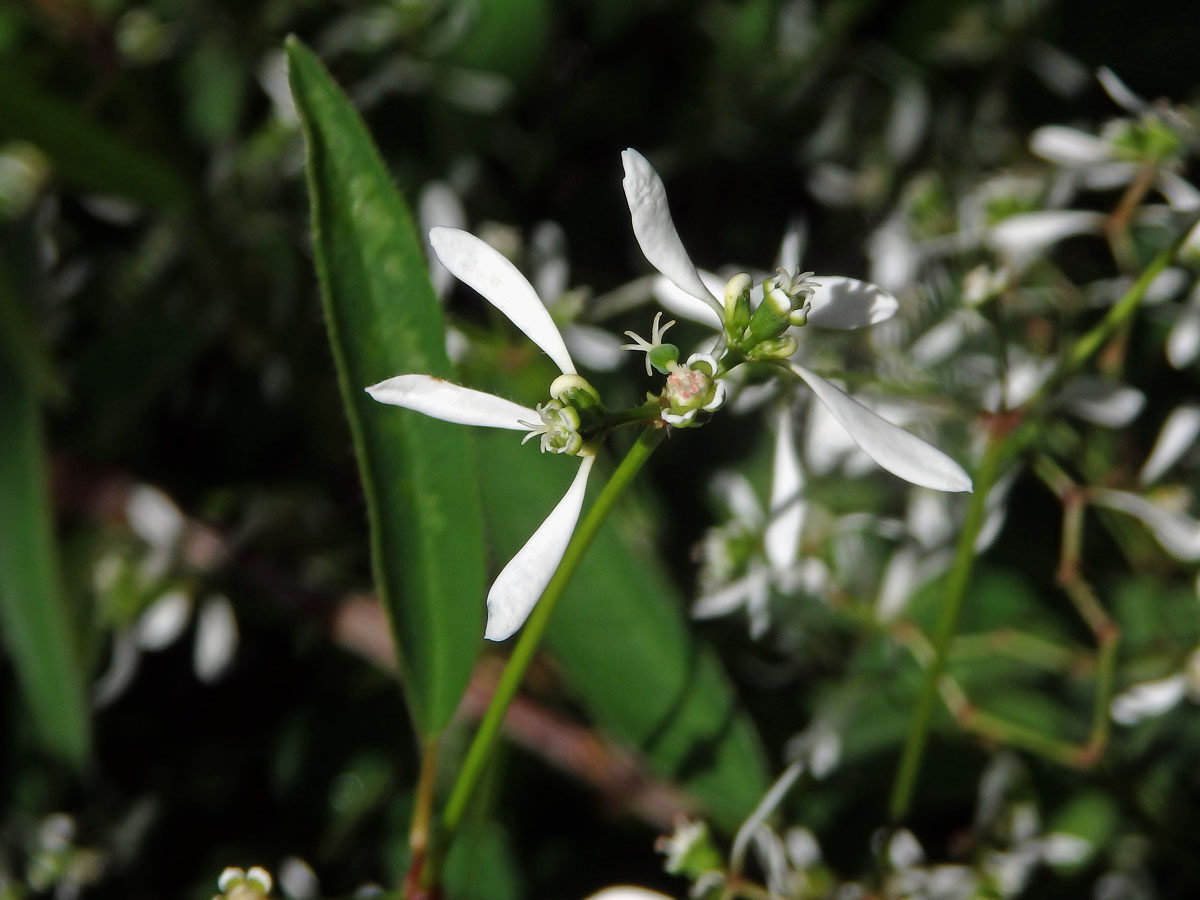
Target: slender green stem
x,y
535,628
952,601
999,450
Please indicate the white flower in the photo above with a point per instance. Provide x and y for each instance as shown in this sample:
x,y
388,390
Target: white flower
x,y
517,589
836,302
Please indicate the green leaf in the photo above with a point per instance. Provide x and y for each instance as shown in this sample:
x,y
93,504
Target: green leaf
x,y
417,473
624,645
34,614
85,153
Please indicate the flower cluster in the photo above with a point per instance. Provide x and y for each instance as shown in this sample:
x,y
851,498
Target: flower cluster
x,y
755,325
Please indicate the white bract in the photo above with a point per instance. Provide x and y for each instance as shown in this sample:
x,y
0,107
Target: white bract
x,y
517,589
828,301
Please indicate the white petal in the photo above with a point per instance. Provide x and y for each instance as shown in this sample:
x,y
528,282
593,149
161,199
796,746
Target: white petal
x,y
895,257
940,341
297,880
628,892
908,119
1181,194
162,624
1150,698
679,302
791,248
122,667
1166,285
1102,402
440,399
476,263
1183,343
654,229
802,846
439,205
842,302
901,453
154,517
1177,436
782,537
734,491
1060,72
1179,534
731,597
216,638
1119,91
519,586
930,518
1026,235
551,270
898,584
1069,146
1108,176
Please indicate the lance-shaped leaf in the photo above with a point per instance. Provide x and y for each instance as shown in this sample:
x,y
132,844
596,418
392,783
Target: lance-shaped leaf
x,y
417,472
35,619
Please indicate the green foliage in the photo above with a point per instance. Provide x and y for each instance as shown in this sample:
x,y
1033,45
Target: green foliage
x,y
38,625
426,533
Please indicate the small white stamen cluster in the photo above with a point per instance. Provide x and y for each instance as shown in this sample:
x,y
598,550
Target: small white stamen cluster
x,y
790,294
559,428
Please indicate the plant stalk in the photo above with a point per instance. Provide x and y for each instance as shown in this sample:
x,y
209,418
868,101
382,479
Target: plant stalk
x,y
529,641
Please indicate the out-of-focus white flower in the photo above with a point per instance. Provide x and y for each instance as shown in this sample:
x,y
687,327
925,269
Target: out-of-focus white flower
x,y
216,638
154,517
724,590
439,206
627,892
908,120
1183,343
1176,531
594,347
1176,437
298,880
1102,402
1022,238
1147,699
517,589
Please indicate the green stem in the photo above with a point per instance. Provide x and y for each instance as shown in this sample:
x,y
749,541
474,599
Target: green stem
x,y
1000,449
956,591
535,629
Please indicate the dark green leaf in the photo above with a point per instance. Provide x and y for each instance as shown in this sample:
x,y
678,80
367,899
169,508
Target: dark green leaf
x,y
35,616
85,153
383,320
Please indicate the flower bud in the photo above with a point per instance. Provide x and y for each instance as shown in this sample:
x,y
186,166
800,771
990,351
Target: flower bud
x,y
737,305
776,348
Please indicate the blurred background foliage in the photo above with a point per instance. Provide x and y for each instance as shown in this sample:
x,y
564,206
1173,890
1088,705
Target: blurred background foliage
x,y
164,363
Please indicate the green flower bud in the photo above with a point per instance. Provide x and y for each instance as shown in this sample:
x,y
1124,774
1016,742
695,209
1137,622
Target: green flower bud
x,y
776,348
737,305
574,390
